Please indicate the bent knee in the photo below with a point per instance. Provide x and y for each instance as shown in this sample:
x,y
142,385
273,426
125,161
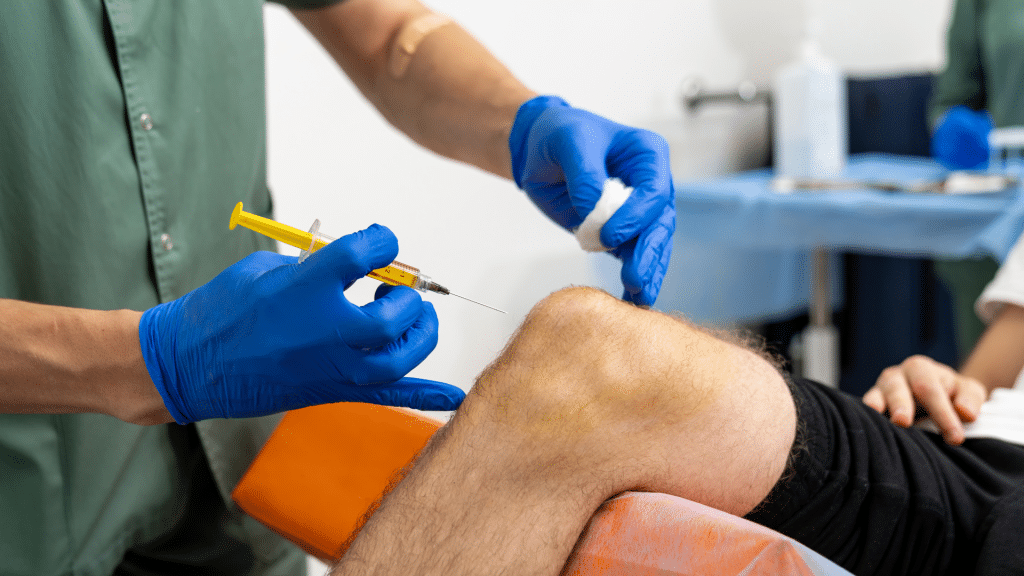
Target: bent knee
x,y
576,321
584,358
576,335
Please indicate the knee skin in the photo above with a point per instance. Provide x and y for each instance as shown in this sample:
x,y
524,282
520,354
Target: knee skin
x,y
635,399
578,353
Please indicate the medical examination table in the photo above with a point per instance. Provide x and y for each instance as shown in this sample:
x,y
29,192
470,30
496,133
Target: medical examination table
x,y
325,467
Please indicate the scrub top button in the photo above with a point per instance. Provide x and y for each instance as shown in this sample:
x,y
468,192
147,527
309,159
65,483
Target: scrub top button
x,y
166,241
146,121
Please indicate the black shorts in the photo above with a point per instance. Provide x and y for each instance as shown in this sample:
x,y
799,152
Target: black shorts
x,y
879,499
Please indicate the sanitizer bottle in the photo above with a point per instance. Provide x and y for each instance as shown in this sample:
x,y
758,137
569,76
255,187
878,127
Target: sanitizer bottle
x,y
810,115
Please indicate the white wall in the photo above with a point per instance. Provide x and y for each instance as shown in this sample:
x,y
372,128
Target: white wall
x,y
333,158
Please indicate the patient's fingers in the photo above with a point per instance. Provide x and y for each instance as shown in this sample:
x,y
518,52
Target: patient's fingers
x,y
968,397
933,390
934,385
895,390
949,398
875,399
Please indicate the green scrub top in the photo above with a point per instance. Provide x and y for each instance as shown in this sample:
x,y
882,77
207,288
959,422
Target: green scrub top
x,y
985,61
128,131
985,71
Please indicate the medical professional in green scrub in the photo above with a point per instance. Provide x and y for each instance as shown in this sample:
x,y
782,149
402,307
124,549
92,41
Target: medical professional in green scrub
x,y
144,348
982,86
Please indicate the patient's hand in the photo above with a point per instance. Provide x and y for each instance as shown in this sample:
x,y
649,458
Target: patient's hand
x,y
949,397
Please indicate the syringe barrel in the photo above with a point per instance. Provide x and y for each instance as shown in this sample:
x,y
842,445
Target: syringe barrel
x,y
397,274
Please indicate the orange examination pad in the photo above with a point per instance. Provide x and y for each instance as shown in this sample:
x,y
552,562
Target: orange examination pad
x,y
325,466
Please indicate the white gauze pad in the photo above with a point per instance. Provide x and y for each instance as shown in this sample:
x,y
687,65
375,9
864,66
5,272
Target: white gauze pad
x,y
613,195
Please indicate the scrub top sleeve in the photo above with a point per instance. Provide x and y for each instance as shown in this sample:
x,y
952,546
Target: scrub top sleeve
x,y
963,80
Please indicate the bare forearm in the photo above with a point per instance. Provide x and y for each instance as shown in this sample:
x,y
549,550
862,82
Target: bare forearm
x,y
998,357
61,360
442,88
457,100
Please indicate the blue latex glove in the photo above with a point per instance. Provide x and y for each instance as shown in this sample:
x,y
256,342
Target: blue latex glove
x,y
561,157
269,334
960,142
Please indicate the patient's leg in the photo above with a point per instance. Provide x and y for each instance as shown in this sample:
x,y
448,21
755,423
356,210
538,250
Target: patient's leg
x,y
590,398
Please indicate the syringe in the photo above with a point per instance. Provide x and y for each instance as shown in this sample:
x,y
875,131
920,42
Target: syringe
x,y
395,274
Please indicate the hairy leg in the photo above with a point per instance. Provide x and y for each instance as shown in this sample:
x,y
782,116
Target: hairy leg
x,y
590,398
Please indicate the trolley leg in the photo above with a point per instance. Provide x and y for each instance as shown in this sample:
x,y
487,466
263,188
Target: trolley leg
x,y
821,339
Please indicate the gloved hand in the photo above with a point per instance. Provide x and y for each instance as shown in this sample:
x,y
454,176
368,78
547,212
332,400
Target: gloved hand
x,y
561,157
960,142
269,334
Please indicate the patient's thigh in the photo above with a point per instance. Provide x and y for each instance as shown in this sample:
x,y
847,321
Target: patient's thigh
x,y
877,498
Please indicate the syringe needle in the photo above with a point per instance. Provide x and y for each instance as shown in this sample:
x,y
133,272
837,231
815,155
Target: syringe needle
x,y
480,303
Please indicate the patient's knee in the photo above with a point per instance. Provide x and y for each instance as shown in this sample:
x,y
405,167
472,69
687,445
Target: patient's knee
x,y
568,338
569,330
596,393
583,359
